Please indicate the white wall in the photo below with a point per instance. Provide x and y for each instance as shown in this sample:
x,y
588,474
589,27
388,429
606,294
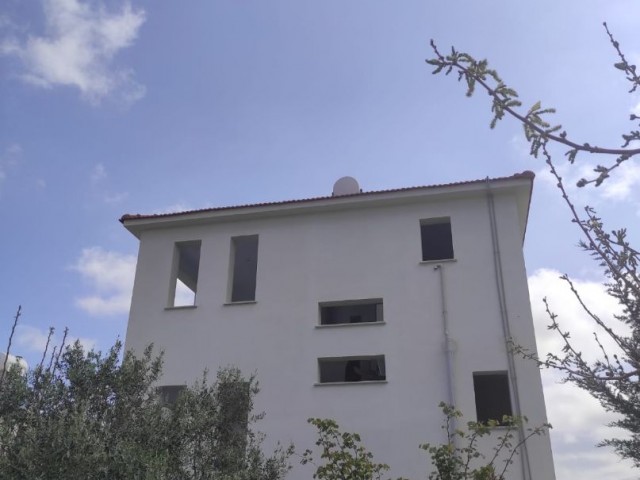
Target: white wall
x,y
341,255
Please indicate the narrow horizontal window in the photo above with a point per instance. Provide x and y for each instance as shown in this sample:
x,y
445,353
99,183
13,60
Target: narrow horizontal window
x,y
352,369
351,311
437,242
184,282
493,400
244,258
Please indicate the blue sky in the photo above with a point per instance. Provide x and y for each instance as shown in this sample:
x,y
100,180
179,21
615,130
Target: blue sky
x,y
138,107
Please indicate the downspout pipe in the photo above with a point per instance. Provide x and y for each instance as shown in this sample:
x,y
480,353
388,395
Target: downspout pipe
x,y
449,350
506,328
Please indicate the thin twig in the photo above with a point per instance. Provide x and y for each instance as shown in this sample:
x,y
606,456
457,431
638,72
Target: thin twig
x,y
592,242
562,139
57,362
630,69
46,347
13,330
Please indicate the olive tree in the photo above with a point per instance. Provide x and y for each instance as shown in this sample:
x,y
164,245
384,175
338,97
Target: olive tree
x,y
86,415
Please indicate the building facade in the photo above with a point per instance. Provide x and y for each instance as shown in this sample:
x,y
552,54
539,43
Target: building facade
x,y
369,308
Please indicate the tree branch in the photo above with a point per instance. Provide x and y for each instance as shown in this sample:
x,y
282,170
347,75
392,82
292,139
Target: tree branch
x,y
537,130
13,331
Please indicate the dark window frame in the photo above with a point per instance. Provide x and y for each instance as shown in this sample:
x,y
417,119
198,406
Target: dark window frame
x,y
168,394
243,268
368,311
436,239
352,369
187,256
492,393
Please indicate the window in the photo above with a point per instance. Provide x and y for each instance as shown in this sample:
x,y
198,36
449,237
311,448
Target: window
x,y
244,258
493,400
233,396
168,394
352,369
184,284
437,243
351,311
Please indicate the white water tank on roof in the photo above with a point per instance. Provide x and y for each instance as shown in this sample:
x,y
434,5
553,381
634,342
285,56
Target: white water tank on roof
x,y
346,186
13,360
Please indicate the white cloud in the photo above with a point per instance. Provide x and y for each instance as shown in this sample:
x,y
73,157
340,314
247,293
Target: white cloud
x,y
98,176
175,208
634,59
593,464
78,47
87,343
8,25
100,304
14,150
30,339
579,421
570,175
34,340
5,22
98,173
546,283
111,276
621,185
115,197
521,146
9,158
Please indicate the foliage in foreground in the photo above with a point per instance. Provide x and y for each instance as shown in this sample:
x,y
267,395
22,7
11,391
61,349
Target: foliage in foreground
x,y
343,457
342,454
460,459
614,378
81,415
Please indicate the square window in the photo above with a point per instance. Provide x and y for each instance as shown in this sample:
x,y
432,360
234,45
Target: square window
x,y
352,369
184,283
244,267
493,399
351,311
437,242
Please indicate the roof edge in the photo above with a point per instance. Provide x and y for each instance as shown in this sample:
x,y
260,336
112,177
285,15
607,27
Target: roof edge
x,y
127,217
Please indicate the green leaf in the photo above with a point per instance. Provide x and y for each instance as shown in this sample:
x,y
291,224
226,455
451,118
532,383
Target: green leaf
x,y
536,106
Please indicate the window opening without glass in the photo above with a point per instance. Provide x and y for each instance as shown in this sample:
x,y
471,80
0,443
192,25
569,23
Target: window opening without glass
x,y
493,400
234,400
351,311
168,394
184,285
437,242
244,257
352,369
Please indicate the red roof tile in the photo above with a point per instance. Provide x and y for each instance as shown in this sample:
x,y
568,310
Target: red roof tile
x,y
128,216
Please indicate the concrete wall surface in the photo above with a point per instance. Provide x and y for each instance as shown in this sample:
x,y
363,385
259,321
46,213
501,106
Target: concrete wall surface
x,y
341,254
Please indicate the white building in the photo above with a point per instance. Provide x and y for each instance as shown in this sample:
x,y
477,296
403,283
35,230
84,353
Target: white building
x,y
368,308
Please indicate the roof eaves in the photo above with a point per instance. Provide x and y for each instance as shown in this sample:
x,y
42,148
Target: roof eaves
x,y
133,217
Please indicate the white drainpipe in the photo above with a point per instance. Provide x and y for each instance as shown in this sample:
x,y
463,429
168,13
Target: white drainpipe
x,y
449,350
506,329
